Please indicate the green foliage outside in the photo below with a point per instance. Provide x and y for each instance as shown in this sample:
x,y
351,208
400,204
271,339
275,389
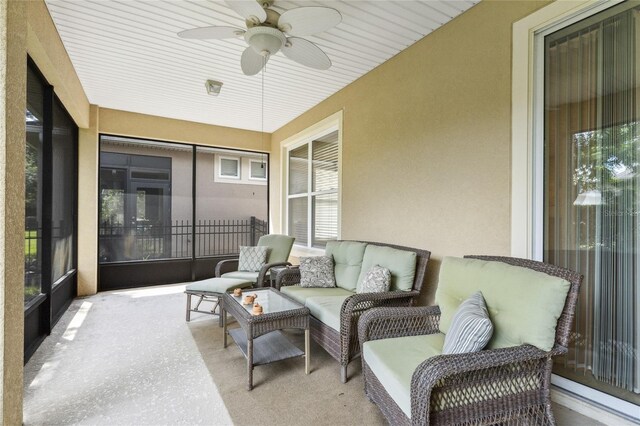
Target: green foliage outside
x,y
30,243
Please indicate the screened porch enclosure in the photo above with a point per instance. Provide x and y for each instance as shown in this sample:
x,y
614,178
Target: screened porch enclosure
x,y
174,206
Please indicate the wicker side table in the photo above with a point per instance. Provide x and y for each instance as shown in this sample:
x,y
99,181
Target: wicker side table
x,y
259,337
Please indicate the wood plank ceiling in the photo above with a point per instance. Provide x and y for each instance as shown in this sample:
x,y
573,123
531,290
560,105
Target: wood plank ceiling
x,y
128,56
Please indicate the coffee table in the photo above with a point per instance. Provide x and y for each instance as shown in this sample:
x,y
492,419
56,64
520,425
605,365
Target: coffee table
x,y
259,337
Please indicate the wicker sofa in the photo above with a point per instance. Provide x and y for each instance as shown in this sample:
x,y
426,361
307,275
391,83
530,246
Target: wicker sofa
x,y
531,305
335,311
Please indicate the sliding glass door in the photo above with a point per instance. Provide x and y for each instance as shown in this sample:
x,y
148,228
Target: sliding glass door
x,y
592,192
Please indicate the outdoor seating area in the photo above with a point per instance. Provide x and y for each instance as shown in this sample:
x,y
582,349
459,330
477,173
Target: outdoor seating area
x,y
335,310
283,212
420,365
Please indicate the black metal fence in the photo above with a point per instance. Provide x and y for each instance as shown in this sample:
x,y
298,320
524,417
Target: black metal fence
x,y
147,242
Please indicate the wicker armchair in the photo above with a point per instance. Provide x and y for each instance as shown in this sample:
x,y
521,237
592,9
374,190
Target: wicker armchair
x,y
344,346
497,386
279,250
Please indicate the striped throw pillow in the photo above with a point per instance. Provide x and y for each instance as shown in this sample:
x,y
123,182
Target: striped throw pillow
x,y
471,327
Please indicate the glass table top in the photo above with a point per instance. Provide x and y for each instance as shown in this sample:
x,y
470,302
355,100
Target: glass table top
x,y
272,301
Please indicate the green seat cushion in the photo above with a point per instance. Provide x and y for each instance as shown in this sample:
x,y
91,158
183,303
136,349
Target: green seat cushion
x,y
242,275
401,263
217,285
393,362
347,259
279,247
524,305
326,309
301,294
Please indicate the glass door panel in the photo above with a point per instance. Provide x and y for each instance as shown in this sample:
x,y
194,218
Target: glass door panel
x,y
592,192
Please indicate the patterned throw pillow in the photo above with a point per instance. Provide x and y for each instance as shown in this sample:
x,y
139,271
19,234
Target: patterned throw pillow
x,y
471,327
317,271
377,280
252,258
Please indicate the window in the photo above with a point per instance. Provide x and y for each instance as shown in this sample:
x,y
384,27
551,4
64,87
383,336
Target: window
x,y
313,188
258,170
229,168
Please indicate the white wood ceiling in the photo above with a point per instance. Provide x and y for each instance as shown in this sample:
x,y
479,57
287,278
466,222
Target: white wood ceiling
x,y
128,56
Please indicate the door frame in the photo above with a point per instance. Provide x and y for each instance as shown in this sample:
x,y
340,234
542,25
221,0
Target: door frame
x,y
527,163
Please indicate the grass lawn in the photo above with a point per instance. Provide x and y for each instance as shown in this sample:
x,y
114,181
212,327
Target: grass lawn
x,y
31,243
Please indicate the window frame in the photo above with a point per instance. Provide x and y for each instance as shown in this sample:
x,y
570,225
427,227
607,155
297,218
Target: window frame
x,y
238,161
266,170
306,137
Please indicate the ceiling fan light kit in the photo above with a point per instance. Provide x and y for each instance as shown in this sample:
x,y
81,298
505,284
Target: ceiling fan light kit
x,y
266,41
269,32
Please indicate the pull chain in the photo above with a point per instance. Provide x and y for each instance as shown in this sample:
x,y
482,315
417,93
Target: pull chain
x,y
264,66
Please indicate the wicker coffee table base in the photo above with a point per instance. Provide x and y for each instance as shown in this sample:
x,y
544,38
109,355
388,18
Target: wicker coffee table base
x,y
260,339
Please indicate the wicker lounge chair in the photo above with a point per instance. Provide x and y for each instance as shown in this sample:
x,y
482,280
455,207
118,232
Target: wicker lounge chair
x,y
509,385
341,341
279,250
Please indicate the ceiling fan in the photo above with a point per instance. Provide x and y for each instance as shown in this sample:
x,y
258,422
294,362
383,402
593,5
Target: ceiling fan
x,y
269,31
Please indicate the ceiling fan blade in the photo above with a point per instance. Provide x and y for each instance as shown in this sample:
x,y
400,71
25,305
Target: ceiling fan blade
x,y
304,21
249,9
251,61
306,53
205,33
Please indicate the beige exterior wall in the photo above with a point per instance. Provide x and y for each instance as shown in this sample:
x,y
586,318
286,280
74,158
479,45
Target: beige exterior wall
x,y
219,200
125,123
47,51
426,141
87,224
13,33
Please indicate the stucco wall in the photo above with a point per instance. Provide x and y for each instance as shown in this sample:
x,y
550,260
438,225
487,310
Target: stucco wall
x,y
217,200
148,126
426,141
13,32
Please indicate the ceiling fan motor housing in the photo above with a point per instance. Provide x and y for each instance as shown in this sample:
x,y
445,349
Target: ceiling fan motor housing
x,y
265,41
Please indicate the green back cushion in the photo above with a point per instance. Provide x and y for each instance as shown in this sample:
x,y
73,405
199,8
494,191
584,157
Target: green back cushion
x,y
401,263
279,245
347,259
524,305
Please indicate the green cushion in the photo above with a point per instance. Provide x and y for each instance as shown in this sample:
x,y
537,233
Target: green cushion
x,y
326,309
242,275
393,362
217,285
280,247
347,259
524,305
301,294
401,263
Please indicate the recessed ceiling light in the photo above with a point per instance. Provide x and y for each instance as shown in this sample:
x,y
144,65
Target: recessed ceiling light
x,y
213,87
